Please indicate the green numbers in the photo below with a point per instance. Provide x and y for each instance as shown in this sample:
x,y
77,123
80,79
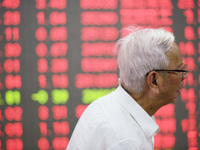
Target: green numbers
x,y
58,96
41,96
90,95
12,97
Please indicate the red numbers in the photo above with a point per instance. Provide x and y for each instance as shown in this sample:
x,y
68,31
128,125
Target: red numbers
x,y
189,33
42,65
151,4
164,141
60,142
198,12
12,65
98,49
167,4
188,124
14,129
187,48
58,34
192,138
12,34
40,4
41,34
12,18
199,79
186,4
59,112
43,112
188,95
99,64
12,50
59,49
190,79
97,33
58,4
101,81
58,18
41,18
99,18
167,125
43,128
1,84
55,4
41,50
59,65
13,81
152,13
61,128
98,4
189,16
166,111
184,124
191,108
146,17
133,4
11,4
199,32
13,113
14,144
43,144
60,81
165,20
42,81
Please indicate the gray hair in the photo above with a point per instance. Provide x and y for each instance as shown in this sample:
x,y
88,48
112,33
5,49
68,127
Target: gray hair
x,y
141,51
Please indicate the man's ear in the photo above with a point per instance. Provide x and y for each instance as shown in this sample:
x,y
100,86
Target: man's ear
x,y
152,81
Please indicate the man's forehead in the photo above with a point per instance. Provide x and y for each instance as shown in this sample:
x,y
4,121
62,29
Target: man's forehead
x,y
174,56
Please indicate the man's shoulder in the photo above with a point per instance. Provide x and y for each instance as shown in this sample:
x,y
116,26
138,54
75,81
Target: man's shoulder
x,y
108,121
100,102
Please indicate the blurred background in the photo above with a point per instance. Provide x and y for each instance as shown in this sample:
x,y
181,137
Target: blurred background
x,y
56,57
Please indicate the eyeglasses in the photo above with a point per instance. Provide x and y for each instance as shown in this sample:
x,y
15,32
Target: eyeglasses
x,y
184,71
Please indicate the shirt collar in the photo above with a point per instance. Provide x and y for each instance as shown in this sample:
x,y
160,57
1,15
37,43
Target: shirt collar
x,y
147,123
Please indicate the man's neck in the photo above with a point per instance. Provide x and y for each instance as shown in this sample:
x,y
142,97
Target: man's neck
x,y
146,101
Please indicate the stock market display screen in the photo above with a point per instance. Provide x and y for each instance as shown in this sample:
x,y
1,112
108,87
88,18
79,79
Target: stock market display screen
x,y
56,57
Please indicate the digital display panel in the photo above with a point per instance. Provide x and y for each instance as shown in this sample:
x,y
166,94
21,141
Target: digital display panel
x,y
56,57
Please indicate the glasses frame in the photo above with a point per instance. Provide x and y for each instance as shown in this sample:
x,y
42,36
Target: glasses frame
x,y
185,65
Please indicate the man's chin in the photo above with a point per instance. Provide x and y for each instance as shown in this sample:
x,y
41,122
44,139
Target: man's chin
x,y
175,99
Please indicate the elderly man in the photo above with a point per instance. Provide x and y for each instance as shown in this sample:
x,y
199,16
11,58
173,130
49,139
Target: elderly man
x,y
151,75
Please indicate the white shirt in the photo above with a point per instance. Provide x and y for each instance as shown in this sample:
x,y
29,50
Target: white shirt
x,y
114,122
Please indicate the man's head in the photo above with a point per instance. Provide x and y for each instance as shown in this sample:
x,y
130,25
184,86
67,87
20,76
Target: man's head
x,y
142,55
141,51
